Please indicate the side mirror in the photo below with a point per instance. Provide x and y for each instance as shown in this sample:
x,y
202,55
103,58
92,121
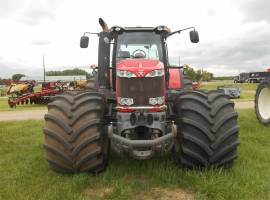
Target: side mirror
x,y
84,42
194,36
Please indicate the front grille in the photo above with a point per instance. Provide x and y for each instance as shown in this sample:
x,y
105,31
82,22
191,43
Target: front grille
x,y
140,89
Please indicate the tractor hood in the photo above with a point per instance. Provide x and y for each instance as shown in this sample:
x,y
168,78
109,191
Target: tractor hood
x,y
140,67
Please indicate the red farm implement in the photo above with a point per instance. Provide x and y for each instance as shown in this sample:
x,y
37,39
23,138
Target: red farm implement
x,y
30,97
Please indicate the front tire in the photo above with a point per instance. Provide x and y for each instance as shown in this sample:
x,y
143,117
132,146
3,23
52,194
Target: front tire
x,y
262,102
76,137
207,130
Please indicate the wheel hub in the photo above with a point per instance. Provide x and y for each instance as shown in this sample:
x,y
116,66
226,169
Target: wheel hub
x,y
264,103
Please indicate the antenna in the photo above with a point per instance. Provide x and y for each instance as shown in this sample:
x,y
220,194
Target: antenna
x,y
44,71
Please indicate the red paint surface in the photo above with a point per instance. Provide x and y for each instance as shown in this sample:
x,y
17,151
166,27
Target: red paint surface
x,y
140,67
175,79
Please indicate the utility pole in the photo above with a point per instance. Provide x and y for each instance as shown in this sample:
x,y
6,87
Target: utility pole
x,y
44,71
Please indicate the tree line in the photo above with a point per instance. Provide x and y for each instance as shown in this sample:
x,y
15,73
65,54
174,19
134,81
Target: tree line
x,y
68,72
198,75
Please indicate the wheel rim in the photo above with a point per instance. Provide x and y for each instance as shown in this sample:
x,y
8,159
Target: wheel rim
x,y
264,103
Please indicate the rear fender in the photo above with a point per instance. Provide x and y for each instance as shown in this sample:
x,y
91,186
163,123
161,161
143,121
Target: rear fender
x,y
176,79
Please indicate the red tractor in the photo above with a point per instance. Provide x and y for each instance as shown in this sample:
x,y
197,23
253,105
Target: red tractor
x,y
140,105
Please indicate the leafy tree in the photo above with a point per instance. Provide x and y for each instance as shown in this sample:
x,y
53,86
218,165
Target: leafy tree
x,y
17,77
207,76
199,75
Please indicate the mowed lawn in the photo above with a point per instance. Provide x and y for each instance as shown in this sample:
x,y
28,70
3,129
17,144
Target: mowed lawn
x,y
24,173
247,89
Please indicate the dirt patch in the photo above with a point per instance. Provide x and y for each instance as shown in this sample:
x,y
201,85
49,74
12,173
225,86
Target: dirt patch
x,y
94,193
158,193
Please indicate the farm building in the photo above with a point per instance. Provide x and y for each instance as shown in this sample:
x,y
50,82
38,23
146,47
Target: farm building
x,y
54,78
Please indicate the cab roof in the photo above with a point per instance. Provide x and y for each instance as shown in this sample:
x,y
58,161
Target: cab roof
x,y
139,28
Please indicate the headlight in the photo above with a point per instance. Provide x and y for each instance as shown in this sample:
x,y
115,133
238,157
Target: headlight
x,y
156,100
155,73
124,73
125,101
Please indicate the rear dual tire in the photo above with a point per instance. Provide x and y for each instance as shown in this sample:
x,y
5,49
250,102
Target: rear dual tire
x,y
187,82
262,102
207,130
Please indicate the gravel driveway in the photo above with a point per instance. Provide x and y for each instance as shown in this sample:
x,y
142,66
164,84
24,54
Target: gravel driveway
x,y
244,104
22,115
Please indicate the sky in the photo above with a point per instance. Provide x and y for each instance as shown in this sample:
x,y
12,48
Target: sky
x,y
234,35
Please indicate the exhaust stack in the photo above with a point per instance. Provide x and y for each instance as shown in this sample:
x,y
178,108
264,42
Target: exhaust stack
x,y
103,24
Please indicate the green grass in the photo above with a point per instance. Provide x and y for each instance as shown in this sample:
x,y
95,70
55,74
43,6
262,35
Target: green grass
x,y
24,173
214,84
5,107
3,91
247,89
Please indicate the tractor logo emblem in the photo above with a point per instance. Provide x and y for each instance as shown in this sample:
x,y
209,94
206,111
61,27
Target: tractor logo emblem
x,y
140,73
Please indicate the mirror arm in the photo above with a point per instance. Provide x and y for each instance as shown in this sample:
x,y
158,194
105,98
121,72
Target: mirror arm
x,y
175,67
179,31
90,33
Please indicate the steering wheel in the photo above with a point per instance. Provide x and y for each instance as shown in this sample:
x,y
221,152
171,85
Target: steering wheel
x,y
140,53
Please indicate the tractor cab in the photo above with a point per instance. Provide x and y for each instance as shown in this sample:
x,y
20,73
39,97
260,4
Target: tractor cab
x,y
139,45
133,62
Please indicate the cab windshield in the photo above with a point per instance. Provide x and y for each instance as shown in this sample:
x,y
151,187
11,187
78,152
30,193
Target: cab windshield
x,y
136,45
